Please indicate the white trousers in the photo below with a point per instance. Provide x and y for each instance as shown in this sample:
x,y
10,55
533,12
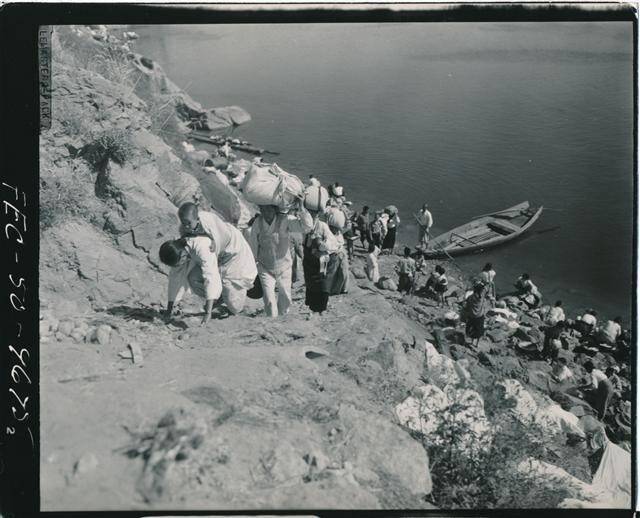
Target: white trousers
x,y
280,304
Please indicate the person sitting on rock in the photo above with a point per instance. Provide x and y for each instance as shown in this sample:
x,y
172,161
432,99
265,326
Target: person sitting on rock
x,y
586,324
406,270
235,259
269,239
437,285
371,268
527,291
553,340
560,372
194,268
610,332
555,314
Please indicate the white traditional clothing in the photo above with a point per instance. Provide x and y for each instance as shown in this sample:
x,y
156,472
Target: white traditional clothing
x,y
199,274
372,265
270,243
235,260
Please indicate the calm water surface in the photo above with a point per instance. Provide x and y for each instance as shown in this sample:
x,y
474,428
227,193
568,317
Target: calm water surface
x,y
469,118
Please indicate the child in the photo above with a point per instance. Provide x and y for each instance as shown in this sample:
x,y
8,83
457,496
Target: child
x,y
350,237
372,263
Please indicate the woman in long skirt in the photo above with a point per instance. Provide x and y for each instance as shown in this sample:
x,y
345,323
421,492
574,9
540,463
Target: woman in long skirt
x,y
320,241
389,242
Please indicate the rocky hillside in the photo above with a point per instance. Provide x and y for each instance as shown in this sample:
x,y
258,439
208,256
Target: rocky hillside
x,y
307,411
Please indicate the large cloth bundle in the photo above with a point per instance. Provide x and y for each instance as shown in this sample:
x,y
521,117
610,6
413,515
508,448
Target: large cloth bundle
x,y
336,218
316,198
271,185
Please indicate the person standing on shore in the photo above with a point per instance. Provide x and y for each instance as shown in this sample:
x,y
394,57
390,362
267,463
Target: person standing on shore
x,y
406,269
363,221
425,222
235,260
376,229
487,276
389,242
474,312
269,239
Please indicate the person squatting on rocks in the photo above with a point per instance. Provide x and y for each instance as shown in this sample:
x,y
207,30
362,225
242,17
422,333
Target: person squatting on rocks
x,y
236,263
269,239
371,268
599,390
194,268
406,270
474,313
555,314
527,291
586,324
425,222
437,285
319,244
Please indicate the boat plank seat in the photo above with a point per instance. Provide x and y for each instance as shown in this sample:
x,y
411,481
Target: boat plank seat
x,y
503,227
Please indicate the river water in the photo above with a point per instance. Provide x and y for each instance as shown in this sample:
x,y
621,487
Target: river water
x,y
468,117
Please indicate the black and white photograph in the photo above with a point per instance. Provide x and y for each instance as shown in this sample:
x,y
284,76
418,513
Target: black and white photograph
x,y
339,263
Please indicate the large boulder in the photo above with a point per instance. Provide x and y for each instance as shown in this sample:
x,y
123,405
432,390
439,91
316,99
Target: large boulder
x,y
385,449
79,261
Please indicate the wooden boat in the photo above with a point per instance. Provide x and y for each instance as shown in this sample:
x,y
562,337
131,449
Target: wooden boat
x,y
485,231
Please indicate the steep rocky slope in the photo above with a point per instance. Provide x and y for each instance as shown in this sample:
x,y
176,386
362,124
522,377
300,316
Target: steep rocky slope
x,y
249,412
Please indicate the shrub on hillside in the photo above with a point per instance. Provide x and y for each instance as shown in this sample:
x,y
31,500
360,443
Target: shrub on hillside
x,y
483,477
112,144
64,196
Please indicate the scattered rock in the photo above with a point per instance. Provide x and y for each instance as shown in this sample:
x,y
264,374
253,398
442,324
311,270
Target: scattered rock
x,y
66,327
385,283
358,272
103,334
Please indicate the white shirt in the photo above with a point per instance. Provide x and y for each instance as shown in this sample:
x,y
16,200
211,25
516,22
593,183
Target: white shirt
x,y
235,258
200,254
612,330
393,220
425,218
555,315
596,377
588,318
270,242
488,277
564,374
328,242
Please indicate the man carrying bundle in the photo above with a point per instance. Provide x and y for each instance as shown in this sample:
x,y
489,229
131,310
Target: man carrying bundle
x,y
235,259
269,239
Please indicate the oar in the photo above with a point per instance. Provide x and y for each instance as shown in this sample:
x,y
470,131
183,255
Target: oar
x,y
439,247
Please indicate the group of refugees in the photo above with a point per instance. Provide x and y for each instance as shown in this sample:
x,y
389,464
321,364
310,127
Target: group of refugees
x,y
223,265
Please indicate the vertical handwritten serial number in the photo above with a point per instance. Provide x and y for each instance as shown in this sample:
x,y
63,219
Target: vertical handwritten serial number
x,y
15,230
